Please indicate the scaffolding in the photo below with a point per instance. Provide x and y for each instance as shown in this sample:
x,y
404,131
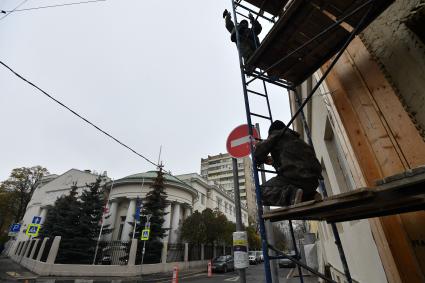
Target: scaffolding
x,y
305,35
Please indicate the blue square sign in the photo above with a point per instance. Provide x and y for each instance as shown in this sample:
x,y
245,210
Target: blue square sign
x,y
36,220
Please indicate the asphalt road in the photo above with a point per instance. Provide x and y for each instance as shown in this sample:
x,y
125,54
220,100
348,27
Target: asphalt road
x,y
12,272
254,273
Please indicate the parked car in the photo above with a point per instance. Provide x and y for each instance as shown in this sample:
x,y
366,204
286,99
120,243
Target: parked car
x,y
222,263
284,262
253,257
260,256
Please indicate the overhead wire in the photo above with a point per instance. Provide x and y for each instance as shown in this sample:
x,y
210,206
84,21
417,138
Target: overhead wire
x,y
54,6
8,12
78,115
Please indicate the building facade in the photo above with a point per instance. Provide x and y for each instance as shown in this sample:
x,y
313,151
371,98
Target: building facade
x,y
219,169
367,123
185,194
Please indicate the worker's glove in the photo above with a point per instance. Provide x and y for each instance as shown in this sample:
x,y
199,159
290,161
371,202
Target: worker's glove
x,y
251,17
225,13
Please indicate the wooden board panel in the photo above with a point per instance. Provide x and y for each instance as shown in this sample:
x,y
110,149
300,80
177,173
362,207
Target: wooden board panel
x,y
380,139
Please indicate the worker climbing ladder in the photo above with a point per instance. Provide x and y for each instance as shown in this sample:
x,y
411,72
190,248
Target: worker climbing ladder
x,y
285,59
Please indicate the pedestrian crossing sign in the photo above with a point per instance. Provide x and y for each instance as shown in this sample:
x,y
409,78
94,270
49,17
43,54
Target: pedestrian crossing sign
x,y
33,229
145,234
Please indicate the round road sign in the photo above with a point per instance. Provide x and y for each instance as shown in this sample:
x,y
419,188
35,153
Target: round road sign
x,y
238,142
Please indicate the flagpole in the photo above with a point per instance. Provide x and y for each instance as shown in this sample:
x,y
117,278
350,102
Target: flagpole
x,y
135,220
103,221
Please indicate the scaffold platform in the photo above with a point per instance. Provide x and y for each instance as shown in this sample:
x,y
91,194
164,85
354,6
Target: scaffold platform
x,y
295,34
396,194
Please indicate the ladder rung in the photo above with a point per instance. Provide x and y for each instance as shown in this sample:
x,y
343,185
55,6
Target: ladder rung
x,y
257,93
261,116
266,171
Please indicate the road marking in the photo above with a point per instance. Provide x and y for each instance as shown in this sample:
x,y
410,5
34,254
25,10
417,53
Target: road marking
x,y
290,273
234,279
239,141
13,274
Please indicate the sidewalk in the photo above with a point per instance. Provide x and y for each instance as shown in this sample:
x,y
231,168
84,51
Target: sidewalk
x,y
13,272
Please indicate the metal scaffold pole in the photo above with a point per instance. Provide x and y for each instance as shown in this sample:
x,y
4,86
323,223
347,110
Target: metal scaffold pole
x,y
264,243
322,187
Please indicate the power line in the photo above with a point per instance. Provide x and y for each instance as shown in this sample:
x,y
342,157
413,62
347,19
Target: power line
x,y
8,12
54,6
78,115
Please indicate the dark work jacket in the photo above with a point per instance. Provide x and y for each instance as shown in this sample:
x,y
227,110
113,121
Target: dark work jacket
x,y
249,40
292,157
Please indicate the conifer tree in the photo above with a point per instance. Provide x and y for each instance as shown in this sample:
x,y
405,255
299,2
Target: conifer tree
x,y
61,220
154,205
92,201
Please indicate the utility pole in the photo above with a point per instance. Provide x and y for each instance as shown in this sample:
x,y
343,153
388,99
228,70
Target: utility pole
x,y
239,227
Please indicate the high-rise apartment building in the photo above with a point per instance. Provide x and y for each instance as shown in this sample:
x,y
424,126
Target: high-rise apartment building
x,y
218,168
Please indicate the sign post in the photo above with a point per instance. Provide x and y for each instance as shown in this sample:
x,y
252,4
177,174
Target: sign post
x,y
238,145
145,235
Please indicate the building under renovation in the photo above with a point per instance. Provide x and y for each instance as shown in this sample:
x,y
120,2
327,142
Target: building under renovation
x,y
355,75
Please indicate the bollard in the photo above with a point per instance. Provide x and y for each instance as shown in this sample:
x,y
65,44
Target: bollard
x,y
209,269
175,274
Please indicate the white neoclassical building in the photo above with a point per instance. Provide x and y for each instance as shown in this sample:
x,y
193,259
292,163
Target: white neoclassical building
x,y
185,194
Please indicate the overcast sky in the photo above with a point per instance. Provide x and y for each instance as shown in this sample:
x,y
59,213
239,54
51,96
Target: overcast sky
x,y
150,73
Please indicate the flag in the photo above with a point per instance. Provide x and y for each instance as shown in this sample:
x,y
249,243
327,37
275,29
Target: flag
x,y
139,207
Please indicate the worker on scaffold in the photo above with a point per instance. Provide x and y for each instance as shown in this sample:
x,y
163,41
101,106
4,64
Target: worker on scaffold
x,y
298,170
248,36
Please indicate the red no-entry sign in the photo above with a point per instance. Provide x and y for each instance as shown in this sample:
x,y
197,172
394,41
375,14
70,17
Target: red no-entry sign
x,y
238,141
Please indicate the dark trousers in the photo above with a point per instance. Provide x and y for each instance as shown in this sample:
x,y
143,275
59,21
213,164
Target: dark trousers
x,y
280,190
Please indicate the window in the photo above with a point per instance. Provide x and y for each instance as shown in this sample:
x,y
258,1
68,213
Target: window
x,y
203,199
219,203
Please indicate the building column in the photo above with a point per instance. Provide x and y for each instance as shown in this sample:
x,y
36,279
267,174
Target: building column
x,y
187,212
113,205
128,228
175,223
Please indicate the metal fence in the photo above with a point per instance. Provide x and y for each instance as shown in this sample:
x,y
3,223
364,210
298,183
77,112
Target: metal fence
x,y
30,247
112,253
209,251
195,251
229,250
46,249
18,248
175,252
153,252
37,248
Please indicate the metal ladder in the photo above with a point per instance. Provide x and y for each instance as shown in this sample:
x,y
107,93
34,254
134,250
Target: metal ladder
x,y
301,104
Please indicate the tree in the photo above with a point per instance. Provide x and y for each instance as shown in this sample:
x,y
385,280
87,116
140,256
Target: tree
x,y
61,220
77,221
7,209
193,229
91,205
22,184
208,227
254,242
154,205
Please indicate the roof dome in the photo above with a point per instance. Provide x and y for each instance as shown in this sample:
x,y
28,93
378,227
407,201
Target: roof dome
x,y
149,177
